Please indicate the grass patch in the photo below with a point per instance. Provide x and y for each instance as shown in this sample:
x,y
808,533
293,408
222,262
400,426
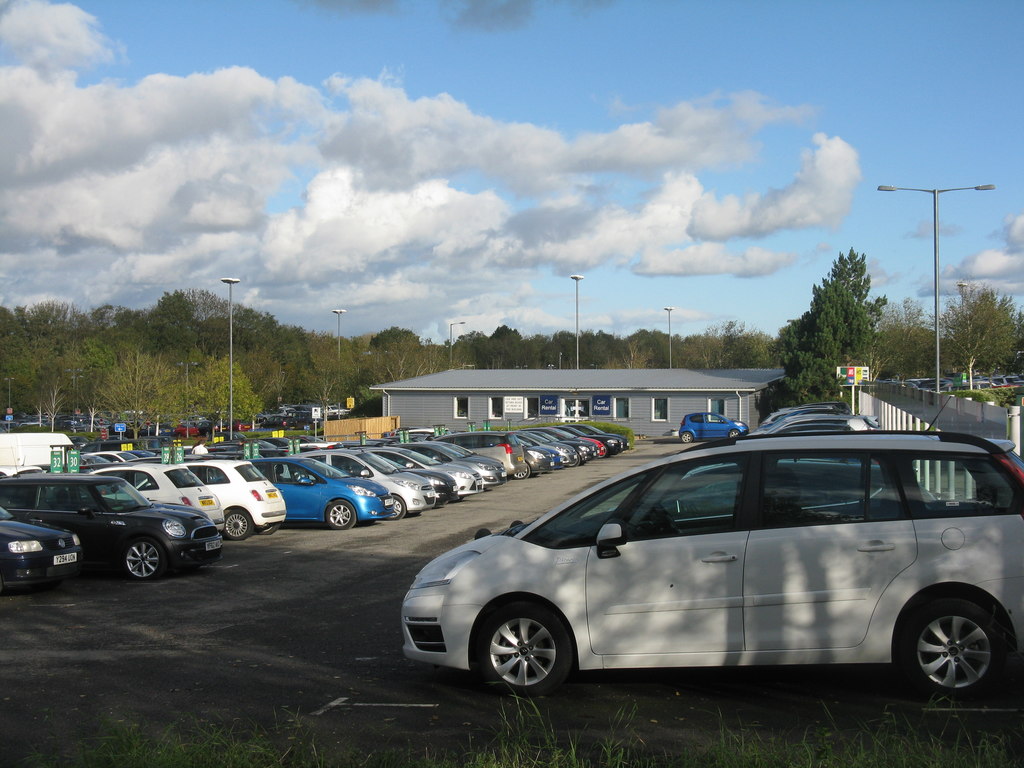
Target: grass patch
x,y
525,739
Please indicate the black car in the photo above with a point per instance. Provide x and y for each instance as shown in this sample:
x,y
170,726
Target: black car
x,y
36,556
117,526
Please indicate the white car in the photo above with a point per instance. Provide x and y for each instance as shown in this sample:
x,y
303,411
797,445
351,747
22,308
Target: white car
x,y
169,484
252,504
412,493
828,549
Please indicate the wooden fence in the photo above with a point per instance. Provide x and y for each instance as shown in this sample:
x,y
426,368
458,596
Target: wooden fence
x,y
349,429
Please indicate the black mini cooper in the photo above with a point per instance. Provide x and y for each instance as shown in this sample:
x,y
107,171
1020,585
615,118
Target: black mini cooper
x,y
117,526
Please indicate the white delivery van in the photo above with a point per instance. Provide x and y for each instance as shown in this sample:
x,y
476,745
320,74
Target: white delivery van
x,y
31,449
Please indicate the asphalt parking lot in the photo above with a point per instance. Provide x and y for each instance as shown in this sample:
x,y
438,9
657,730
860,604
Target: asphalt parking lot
x,y
299,630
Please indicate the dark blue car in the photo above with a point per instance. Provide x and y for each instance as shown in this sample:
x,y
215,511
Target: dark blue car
x,y
315,492
36,556
709,426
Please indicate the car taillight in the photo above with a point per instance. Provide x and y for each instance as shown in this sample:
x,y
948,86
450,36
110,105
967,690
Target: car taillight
x,y
1013,466
256,495
185,501
507,447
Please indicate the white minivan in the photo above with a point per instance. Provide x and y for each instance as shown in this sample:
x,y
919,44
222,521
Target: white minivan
x,y
866,547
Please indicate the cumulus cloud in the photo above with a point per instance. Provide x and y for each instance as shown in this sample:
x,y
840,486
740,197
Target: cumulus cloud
x,y
51,38
127,190
819,196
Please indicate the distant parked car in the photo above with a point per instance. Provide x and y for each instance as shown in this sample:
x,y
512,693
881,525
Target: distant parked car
x,y
250,502
709,426
412,493
36,556
118,526
315,492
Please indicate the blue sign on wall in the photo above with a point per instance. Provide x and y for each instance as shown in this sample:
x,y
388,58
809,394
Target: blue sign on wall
x,y
549,405
601,405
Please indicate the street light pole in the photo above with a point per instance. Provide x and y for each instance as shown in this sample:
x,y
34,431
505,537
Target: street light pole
x,y
935,246
576,279
451,349
339,313
231,282
669,310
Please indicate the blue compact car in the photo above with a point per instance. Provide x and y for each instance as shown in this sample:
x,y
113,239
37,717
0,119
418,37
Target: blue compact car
x,y
36,556
315,492
709,426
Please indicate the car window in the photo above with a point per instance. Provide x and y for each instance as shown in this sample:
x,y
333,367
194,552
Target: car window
x,y
211,475
250,473
577,526
954,486
816,488
183,478
64,497
18,496
121,497
688,498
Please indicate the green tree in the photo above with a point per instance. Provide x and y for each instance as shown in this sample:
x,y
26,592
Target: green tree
x,y
904,344
139,389
836,330
979,329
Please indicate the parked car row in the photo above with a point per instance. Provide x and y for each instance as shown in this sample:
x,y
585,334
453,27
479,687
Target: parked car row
x,y
130,512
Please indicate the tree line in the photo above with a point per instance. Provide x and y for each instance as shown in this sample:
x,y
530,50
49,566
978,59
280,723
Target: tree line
x,y
170,361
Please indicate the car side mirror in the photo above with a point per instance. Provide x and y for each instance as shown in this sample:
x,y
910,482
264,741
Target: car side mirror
x,y
609,539
89,512
305,481
365,473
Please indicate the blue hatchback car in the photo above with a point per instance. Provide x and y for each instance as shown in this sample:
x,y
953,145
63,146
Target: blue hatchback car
x,y
315,492
709,426
36,556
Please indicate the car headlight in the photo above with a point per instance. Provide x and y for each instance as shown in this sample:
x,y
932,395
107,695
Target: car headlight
x,y
21,547
358,490
174,529
407,484
535,454
441,572
462,475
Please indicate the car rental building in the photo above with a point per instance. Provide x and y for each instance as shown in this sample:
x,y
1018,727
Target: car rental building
x,y
648,401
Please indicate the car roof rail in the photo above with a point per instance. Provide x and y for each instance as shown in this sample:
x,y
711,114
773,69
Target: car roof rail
x,y
990,445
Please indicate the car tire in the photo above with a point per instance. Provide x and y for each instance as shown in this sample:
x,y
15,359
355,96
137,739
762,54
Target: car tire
x,y
686,437
266,530
951,648
734,433
238,525
339,515
522,471
143,559
400,509
574,460
525,648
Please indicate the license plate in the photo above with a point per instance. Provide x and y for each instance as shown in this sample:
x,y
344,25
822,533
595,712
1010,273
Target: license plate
x,y
212,545
271,494
389,502
71,557
206,502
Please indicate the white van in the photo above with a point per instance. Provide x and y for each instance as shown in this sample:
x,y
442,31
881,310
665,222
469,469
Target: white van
x,y
31,449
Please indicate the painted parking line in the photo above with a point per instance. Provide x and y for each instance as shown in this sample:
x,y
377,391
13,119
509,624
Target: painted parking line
x,y
343,701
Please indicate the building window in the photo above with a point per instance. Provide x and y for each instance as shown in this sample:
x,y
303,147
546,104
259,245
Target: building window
x,y
577,408
497,407
621,407
659,409
717,405
462,407
532,407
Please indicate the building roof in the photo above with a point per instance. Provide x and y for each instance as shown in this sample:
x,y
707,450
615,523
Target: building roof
x,y
589,380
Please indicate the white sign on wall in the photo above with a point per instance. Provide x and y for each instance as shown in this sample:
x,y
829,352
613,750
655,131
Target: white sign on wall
x,y
515,404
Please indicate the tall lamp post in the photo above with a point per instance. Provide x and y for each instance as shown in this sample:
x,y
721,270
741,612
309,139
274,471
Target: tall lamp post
x,y
451,349
576,279
935,245
339,313
231,282
669,310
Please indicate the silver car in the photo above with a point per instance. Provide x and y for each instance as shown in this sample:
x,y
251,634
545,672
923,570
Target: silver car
x,y
412,493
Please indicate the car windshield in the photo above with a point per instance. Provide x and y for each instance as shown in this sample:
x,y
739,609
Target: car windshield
x,y
455,449
121,497
419,458
391,462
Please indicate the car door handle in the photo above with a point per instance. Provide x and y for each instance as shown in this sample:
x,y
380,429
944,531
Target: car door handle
x,y
876,546
719,557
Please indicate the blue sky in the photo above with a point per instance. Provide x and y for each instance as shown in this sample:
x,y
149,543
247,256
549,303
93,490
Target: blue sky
x,y
419,162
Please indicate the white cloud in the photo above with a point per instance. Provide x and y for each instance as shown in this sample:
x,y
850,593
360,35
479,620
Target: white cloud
x,y
714,259
51,38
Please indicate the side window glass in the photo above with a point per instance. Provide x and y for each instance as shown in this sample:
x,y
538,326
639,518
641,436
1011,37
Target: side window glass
x,y
961,485
688,498
827,489
578,525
